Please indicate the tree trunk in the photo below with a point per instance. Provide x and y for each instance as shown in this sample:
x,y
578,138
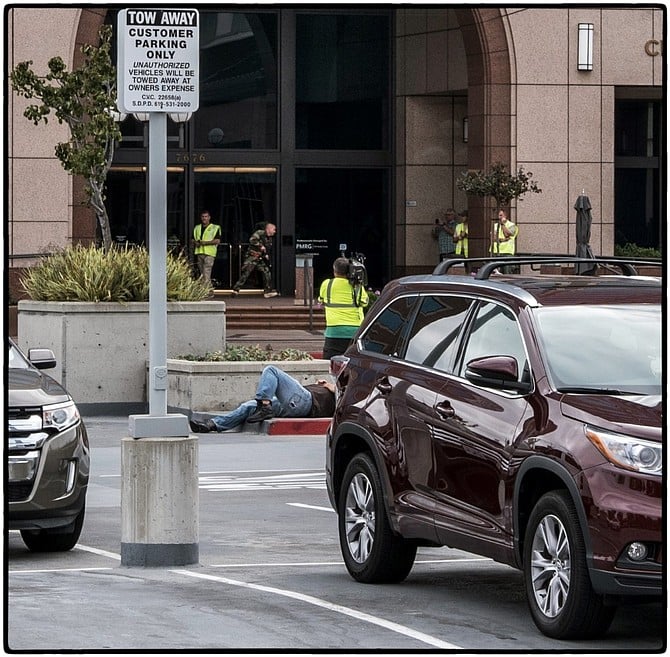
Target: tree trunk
x,y
98,205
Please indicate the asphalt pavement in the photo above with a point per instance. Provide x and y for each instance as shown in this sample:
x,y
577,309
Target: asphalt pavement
x,y
270,576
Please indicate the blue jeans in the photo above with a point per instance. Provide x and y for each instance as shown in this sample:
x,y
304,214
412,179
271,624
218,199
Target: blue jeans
x,y
288,397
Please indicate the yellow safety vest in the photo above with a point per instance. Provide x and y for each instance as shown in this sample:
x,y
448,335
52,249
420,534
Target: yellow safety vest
x,y
206,235
507,247
343,304
462,244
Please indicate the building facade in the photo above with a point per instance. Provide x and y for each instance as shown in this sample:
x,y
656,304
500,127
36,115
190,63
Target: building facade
x,y
348,126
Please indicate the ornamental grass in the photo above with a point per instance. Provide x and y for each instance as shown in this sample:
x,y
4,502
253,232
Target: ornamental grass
x,y
87,273
248,353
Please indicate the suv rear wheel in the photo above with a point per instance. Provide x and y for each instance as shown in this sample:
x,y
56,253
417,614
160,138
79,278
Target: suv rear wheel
x,y
372,552
561,599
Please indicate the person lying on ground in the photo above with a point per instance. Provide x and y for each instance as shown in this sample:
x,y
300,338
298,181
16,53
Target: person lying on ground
x,y
277,395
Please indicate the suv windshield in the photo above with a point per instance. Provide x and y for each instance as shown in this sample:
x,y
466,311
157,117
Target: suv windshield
x,y
579,342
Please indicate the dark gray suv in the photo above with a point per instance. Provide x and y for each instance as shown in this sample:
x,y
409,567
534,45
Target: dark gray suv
x,y
47,455
517,417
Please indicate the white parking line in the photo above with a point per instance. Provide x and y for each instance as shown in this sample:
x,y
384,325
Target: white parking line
x,y
346,611
56,570
310,506
102,553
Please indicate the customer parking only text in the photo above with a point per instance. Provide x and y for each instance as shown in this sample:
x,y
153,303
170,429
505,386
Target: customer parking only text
x,y
161,36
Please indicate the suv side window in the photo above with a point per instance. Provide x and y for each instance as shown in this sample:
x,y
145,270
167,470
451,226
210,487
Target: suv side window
x,y
433,338
495,332
383,335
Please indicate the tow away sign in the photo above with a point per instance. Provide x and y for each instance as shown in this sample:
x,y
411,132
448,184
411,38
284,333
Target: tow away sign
x,y
158,58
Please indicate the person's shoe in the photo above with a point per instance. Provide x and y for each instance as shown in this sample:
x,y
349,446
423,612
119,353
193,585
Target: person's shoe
x,y
202,427
263,412
236,293
269,295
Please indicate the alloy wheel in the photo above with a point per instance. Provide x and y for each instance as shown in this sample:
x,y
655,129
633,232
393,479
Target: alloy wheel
x,y
551,566
360,517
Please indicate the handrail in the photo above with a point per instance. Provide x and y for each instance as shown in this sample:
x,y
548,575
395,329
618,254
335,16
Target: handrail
x,y
490,264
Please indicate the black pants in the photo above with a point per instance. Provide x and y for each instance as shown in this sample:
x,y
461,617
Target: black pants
x,y
335,347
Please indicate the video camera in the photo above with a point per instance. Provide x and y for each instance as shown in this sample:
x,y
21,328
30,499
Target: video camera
x,y
357,274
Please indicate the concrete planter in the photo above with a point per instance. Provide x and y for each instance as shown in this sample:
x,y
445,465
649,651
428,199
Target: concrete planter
x,y
222,386
102,348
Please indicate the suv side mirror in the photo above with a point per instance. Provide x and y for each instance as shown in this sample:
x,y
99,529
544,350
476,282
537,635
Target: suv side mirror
x,y
500,372
42,359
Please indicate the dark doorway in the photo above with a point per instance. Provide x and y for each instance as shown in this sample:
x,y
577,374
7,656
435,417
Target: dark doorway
x,y
638,199
344,206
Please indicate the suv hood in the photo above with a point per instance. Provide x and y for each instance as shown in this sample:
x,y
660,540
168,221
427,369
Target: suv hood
x,y
33,388
635,415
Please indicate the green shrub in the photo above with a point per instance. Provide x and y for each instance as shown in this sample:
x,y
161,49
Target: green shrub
x,y
246,353
634,251
86,273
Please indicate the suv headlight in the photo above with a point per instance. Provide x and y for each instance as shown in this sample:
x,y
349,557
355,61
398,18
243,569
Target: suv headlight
x,y
60,416
627,452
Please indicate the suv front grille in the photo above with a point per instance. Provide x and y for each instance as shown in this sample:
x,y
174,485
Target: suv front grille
x,y
24,420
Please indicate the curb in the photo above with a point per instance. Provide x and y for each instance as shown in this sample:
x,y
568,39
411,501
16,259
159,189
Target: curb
x,y
285,426
297,426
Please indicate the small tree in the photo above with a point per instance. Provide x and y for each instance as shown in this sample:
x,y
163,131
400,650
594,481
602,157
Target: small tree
x,y
84,99
499,184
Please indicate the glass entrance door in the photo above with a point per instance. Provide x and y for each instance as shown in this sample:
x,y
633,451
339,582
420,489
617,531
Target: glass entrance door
x,y
240,200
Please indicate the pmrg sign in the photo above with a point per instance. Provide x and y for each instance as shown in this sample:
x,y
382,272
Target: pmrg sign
x,y
158,58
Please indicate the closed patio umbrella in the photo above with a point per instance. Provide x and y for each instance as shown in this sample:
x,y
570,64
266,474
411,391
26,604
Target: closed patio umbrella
x,y
583,229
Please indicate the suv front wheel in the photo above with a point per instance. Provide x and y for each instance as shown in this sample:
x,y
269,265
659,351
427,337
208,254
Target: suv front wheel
x,y
372,552
54,540
561,599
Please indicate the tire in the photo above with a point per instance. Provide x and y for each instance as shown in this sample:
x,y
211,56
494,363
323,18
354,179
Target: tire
x,y
562,601
52,540
372,552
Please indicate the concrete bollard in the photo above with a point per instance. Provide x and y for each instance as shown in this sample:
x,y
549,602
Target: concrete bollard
x,y
159,501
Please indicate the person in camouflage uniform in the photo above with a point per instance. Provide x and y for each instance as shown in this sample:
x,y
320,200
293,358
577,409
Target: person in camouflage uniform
x,y
258,257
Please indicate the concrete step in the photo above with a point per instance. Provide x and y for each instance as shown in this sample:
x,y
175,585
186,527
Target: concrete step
x,y
259,317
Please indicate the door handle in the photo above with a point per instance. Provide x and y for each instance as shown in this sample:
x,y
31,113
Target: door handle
x,y
445,410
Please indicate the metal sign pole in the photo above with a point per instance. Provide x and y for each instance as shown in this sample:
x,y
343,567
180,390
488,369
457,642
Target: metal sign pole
x,y
157,264
158,76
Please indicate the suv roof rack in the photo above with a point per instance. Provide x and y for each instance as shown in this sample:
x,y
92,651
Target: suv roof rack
x,y
490,264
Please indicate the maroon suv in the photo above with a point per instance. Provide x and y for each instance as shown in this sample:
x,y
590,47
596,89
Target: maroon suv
x,y
513,416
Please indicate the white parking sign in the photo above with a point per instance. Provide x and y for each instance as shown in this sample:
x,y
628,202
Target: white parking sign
x,y
158,57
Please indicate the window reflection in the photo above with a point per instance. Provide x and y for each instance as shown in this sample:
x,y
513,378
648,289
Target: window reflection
x,y
495,333
238,81
436,327
342,81
383,337
604,347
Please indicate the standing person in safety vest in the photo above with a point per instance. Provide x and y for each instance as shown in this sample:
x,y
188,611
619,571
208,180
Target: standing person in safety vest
x,y
503,242
461,238
344,303
258,257
206,237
